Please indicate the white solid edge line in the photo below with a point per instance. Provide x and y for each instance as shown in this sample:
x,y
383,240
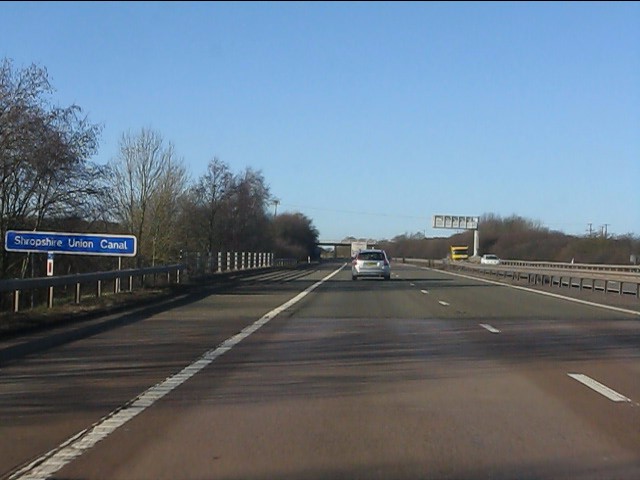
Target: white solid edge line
x,y
549,294
488,327
54,460
598,387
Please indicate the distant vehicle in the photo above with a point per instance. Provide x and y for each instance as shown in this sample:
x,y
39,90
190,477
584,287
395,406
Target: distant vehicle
x,y
356,247
489,259
460,252
371,263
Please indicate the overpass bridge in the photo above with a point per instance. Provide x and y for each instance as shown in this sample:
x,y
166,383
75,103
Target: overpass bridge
x,y
341,249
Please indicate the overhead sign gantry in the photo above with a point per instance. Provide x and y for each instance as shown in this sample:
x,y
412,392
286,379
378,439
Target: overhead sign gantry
x,y
460,222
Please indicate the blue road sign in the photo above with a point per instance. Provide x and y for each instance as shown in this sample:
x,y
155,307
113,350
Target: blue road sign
x,y
71,243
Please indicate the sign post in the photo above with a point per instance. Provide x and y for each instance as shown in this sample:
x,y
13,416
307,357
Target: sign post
x,y
118,280
49,264
50,274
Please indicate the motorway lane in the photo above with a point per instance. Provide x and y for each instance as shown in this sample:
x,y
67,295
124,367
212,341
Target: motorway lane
x,y
381,380
45,398
556,338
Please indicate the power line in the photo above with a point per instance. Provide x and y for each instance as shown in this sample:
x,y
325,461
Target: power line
x,y
351,212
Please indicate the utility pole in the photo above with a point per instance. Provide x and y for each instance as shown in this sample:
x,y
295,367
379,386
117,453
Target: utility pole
x,y
590,229
275,203
603,230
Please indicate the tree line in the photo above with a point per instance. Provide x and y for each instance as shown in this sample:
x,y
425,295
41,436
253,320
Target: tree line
x,y
519,238
49,182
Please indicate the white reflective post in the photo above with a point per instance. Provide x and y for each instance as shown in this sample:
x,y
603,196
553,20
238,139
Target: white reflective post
x,y
50,274
476,242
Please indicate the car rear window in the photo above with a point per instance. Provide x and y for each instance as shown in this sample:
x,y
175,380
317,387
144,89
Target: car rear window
x,y
370,256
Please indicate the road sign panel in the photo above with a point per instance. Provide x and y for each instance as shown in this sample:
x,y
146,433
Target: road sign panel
x,y
456,222
71,243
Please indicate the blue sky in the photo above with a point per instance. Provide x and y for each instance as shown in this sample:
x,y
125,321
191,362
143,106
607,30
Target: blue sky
x,y
369,118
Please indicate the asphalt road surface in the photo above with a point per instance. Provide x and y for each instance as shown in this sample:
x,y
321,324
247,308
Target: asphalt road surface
x,y
309,375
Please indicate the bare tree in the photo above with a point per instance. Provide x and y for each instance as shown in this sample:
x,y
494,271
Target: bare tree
x,y
165,211
249,222
227,211
294,236
210,195
146,181
44,152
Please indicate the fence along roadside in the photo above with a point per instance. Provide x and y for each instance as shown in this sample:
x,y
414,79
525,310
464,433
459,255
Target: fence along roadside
x,y
130,278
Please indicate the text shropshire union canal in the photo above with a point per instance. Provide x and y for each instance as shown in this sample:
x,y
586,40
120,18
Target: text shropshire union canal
x,y
70,243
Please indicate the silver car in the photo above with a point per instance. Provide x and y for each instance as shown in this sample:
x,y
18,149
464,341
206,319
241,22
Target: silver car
x,y
371,263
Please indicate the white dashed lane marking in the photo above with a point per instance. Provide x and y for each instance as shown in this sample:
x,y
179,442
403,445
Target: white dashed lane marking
x,y
425,292
488,327
598,387
444,304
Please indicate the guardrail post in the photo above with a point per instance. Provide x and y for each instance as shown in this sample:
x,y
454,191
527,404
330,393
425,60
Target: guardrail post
x,y
77,299
118,279
99,289
50,299
235,261
16,301
219,262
